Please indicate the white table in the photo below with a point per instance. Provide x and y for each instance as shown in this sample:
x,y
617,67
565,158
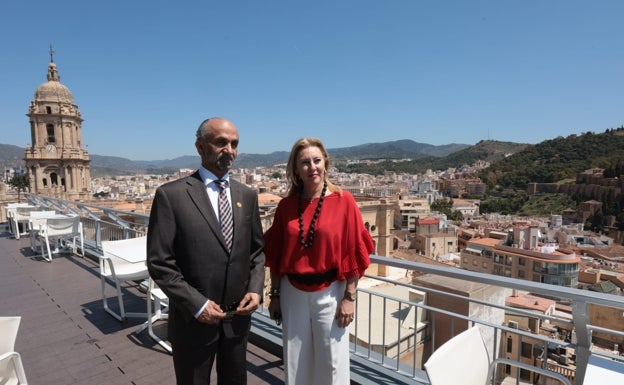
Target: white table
x,y
602,371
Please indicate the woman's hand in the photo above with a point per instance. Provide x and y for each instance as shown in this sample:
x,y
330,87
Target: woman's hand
x,y
346,312
275,310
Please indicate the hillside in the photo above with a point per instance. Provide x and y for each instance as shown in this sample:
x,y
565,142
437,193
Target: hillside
x,y
557,159
487,150
11,156
399,149
558,162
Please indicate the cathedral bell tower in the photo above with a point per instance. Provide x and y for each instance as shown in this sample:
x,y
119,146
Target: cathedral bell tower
x,y
57,163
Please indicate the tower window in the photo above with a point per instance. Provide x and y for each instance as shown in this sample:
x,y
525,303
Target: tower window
x,y
50,130
48,110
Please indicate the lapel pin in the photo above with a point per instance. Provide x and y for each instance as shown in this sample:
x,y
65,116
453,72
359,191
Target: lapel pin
x,y
239,205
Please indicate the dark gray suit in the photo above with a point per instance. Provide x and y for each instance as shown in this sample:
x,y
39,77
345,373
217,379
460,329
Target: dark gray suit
x,y
187,257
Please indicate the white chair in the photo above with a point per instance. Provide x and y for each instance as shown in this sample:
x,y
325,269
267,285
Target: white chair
x,y
36,222
11,209
464,360
61,229
11,367
22,215
160,302
122,261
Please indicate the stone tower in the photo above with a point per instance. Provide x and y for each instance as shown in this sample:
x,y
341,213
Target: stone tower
x,y
57,162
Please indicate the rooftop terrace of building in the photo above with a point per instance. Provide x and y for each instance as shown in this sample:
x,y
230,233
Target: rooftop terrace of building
x,y
71,285
65,337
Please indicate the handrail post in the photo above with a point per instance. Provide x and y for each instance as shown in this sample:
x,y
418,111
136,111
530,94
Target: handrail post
x,y
580,319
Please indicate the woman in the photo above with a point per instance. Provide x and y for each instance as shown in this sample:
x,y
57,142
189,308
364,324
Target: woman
x,y
317,248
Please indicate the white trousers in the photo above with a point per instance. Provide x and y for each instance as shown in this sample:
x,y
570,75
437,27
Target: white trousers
x,y
316,349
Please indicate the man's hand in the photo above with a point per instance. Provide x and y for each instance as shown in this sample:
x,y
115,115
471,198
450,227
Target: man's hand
x,y
212,314
248,304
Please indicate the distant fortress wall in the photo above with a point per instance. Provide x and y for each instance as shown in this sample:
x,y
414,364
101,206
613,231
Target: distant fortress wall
x,y
587,187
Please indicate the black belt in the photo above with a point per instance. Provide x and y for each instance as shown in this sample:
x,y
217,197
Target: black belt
x,y
314,278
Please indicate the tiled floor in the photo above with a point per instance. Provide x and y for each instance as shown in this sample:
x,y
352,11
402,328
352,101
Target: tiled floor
x,y
65,337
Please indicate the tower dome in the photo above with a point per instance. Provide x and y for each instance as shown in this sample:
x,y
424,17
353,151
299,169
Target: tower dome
x,y
53,90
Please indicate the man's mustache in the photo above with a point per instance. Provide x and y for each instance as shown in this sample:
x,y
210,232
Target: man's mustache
x,y
225,161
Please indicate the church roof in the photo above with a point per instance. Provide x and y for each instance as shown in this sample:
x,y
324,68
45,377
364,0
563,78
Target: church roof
x,y
53,90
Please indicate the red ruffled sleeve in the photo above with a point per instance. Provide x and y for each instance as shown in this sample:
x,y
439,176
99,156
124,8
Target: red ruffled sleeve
x,y
273,238
358,243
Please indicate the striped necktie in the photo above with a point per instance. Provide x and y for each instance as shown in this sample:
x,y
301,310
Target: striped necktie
x,y
225,213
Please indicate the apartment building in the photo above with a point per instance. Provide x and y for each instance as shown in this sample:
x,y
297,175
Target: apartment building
x,y
530,350
521,255
411,209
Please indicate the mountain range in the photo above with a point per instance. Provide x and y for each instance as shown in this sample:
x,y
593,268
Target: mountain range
x,y
512,164
12,156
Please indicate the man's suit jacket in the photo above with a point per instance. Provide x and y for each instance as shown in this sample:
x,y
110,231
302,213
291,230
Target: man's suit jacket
x,y
188,259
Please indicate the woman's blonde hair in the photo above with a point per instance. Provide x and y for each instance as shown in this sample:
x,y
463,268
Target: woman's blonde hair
x,y
294,181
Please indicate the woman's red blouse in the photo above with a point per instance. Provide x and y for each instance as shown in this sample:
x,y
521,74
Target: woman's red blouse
x,y
341,241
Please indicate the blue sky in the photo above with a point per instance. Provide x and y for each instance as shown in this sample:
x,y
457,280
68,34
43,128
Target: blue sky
x,y
145,73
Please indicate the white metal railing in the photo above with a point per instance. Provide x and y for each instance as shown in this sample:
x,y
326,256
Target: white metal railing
x,y
99,222
587,309
400,322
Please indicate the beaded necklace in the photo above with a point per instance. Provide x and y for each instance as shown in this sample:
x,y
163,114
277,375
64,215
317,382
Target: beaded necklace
x,y
302,240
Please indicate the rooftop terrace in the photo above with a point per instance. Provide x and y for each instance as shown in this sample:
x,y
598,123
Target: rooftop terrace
x,y
67,338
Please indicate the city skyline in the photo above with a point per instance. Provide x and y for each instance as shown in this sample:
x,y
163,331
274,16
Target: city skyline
x,y
145,74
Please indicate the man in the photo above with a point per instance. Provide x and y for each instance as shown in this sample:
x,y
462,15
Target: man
x,y
214,281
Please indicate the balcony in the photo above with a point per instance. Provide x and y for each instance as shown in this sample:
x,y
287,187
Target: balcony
x,y
401,318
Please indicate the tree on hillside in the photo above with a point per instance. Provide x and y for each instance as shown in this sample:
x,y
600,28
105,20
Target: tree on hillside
x,y
21,182
445,206
595,222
